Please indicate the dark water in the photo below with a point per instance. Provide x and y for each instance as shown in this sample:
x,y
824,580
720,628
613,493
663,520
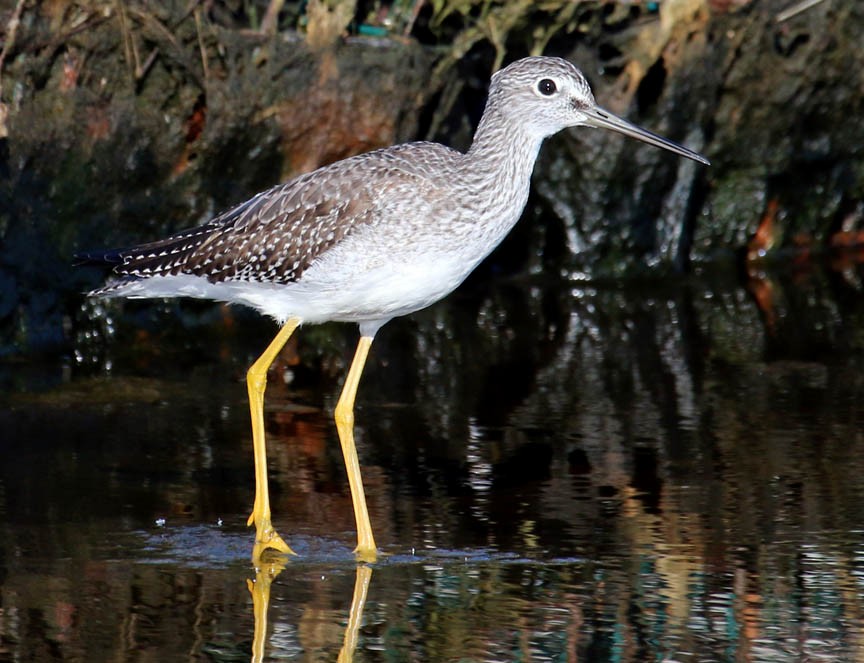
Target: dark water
x,y
639,472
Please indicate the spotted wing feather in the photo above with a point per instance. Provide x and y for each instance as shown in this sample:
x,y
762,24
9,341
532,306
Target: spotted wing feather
x,y
278,234
273,237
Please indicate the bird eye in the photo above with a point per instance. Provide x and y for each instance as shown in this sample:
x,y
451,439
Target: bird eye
x,y
547,87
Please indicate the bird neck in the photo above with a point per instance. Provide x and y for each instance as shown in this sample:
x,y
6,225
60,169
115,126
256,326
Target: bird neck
x,y
497,169
501,145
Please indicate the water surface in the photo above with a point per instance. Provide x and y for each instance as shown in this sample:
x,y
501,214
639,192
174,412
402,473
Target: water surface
x,y
555,472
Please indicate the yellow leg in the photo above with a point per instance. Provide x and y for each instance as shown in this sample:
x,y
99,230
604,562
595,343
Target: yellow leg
x,y
355,615
265,574
365,549
256,381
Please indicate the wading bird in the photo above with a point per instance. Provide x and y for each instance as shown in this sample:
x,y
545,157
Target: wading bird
x,y
367,239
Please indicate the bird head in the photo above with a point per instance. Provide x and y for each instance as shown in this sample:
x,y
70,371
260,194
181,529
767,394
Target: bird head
x,y
547,94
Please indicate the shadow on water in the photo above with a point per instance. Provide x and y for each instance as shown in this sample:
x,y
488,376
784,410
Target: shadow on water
x,y
665,471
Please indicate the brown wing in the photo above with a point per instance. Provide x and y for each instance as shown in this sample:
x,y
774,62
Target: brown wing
x,y
280,232
276,235
273,237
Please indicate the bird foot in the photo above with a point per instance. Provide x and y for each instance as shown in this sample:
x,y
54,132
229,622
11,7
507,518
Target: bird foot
x,y
267,538
366,555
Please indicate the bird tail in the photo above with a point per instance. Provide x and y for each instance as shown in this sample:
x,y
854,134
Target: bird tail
x,y
132,264
102,258
105,258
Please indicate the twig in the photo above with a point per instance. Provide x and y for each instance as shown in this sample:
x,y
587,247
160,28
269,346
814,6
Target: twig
x,y
201,46
270,24
142,72
91,21
130,50
796,9
415,12
161,33
11,30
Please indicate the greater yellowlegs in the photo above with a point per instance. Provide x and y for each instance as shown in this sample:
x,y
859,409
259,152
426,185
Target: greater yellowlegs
x,y
367,239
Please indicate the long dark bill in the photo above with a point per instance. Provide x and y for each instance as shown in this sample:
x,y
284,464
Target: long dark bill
x,y
603,119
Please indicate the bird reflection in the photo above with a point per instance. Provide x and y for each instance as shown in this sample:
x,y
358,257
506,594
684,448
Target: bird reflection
x,y
355,615
260,590
260,587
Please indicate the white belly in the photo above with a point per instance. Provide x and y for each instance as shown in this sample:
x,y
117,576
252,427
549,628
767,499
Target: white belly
x,y
342,287
368,288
